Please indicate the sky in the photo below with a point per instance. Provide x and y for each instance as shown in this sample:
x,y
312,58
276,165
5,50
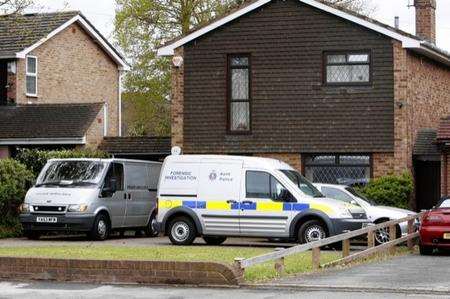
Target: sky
x,y
101,14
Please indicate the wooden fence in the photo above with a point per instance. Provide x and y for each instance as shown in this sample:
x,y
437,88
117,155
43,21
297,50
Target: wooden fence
x,y
278,256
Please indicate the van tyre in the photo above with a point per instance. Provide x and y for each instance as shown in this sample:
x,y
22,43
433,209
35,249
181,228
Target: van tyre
x,y
310,231
101,228
182,231
32,235
425,250
214,240
151,230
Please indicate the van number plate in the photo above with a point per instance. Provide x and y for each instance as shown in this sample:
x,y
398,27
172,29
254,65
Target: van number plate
x,y
447,236
46,219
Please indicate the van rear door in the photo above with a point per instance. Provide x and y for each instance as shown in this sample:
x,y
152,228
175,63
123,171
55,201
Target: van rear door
x,y
219,188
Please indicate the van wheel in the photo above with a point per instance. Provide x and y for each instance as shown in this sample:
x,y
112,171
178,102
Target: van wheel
x,y
182,231
151,229
32,235
214,240
101,228
310,231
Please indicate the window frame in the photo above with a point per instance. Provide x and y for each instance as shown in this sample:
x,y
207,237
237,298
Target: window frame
x,y
325,64
28,74
229,100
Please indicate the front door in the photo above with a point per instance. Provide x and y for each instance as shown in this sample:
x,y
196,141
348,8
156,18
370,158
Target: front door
x,y
218,197
266,210
428,184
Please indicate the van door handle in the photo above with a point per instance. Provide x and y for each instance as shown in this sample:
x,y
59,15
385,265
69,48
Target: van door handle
x,y
125,196
231,201
129,196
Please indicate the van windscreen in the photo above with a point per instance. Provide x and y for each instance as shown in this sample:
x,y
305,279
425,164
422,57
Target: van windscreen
x,y
303,184
71,173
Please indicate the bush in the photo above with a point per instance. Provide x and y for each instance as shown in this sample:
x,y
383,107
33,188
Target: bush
x,y
390,190
15,179
35,159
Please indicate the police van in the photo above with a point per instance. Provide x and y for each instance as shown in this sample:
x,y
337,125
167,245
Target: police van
x,y
222,196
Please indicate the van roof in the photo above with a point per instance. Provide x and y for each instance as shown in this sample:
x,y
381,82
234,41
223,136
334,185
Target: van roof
x,y
258,162
105,160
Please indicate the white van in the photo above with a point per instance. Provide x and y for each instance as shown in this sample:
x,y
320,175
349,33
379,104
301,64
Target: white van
x,y
93,196
220,196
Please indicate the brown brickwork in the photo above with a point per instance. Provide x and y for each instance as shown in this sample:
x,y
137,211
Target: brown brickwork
x,y
426,19
382,164
72,68
97,271
294,160
94,134
445,174
177,105
422,92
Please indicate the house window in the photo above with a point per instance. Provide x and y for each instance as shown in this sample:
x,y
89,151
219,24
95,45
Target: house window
x,y
338,169
31,76
347,68
239,93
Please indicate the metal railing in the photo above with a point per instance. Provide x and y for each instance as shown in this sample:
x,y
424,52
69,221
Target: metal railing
x,y
240,264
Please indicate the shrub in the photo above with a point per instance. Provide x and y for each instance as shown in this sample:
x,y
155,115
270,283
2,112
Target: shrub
x,y
35,159
391,190
15,179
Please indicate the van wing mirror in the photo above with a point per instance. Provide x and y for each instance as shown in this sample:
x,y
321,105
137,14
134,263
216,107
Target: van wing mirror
x,y
110,188
285,196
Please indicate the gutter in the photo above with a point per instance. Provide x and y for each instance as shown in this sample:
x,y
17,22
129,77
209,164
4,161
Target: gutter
x,y
43,141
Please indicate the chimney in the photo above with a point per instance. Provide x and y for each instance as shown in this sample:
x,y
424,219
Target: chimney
x,y
397,22
426,19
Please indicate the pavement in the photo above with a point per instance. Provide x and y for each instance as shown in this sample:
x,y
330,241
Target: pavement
x,y
406,274
47,290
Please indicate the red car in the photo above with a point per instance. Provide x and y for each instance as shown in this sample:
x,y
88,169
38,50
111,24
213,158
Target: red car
x,y
435,228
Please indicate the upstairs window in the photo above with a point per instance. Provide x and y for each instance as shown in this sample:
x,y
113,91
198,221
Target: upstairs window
x,y
31,76
239,93
347,68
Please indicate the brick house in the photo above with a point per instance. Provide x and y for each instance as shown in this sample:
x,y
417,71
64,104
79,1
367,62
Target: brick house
x,y
341,97
59,82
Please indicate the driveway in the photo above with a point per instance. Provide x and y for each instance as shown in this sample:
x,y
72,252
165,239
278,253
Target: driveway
x,y
410,273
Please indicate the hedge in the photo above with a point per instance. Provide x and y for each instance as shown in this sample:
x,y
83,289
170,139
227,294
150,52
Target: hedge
x,y
35,159
15,179
390,190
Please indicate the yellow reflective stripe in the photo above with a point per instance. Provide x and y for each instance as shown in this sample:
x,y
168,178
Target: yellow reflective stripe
x,y
169,203
269,206
218,205
322,207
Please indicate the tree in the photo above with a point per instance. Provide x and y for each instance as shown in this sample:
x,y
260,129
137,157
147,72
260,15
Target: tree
x,y
14,6
364,7
141,26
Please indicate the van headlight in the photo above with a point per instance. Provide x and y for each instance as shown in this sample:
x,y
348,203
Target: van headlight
x,y
343,212
77,208
25,208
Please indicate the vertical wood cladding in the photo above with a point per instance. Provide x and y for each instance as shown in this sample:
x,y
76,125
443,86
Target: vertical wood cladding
x,y
291,109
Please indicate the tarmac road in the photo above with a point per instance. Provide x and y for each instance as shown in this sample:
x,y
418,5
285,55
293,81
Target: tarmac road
x,y
46,290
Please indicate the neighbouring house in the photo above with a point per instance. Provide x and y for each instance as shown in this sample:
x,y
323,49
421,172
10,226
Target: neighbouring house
x,y
341,97
59,82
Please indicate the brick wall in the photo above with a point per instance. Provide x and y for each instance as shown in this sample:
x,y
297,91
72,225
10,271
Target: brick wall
x,y
445,174
422,90
96,271
94,135
73,68
294,160
382,164
177,101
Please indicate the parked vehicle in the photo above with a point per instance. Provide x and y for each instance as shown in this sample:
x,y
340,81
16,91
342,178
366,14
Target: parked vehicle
x,y
220,196
375,213
93,196
435,228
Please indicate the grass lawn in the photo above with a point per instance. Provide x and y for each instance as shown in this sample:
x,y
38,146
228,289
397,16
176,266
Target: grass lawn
x,y
299,263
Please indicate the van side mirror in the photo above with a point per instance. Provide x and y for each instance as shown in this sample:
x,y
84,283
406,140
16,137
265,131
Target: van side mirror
x,y
110,188
285,196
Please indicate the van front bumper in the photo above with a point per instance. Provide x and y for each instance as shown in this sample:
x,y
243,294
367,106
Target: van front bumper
x,y
341,226
68,223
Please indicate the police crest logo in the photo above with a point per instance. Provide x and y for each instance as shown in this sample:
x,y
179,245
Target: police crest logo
x,y
213,176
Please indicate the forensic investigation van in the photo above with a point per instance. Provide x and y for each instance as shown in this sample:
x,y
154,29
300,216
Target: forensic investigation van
x,y
92,195
221,196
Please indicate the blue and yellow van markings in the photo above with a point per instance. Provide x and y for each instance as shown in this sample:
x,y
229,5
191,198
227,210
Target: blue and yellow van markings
x,y
247,206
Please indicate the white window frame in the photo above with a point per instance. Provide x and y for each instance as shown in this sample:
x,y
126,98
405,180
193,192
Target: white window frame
x,y
28,74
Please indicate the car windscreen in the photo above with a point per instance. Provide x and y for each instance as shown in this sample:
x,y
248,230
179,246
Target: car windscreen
x,y
71,173
360,195
303,184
